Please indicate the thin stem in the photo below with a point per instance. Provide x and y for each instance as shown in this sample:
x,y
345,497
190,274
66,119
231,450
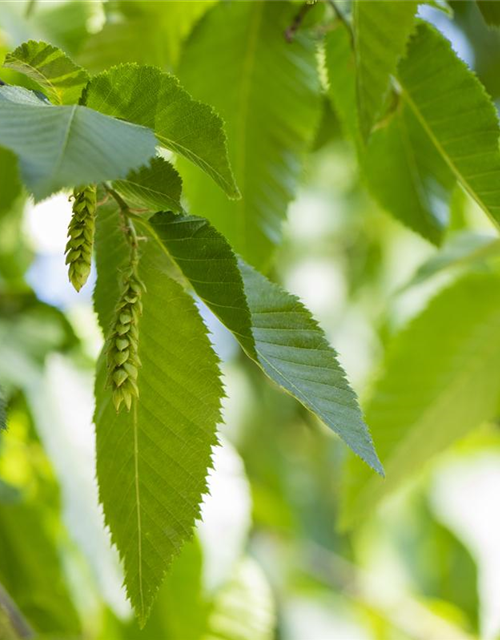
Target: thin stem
x,y
297,21
29,9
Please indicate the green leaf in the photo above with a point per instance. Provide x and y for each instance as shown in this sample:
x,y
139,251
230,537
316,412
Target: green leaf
x,y
49,67
273,327
381,31
402,169
462,250
269,97
10,184
63,146
341,70
3,416
152,98
243,609
407,175
453,108
32,572
490,10
441,379
122,37
155,187
152,462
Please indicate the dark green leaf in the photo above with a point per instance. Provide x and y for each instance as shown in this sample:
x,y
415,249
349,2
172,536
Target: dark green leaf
x,y
155,187
490,10
273,327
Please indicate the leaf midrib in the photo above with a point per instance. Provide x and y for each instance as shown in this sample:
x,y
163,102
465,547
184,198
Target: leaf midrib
x,y
458,174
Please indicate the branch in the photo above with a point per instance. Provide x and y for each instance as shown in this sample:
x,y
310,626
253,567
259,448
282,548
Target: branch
x,y
297,21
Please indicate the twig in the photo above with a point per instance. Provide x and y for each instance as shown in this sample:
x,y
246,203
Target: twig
x,y
14,617
30,7
297,21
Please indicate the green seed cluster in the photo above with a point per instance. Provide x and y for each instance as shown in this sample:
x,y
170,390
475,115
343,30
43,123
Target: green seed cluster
x,y
81,236
123,359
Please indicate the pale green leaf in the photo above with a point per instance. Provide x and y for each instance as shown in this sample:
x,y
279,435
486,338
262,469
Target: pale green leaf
x,y
458,116
31,569
440,380
381,30
157,186
244,608
152,462
267,92
66,146
273,327
152,98
122,37
462,250
60,78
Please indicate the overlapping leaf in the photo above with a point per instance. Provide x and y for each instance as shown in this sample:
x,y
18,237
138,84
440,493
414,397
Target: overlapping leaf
x,y
60,78
381,31
152,98
10,184
458,116
440,380
152,462
66,146
267,91
155,187
402,168
273,327
2,411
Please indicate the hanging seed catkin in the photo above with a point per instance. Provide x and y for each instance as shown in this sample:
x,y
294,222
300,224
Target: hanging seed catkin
x,y
81,236
123,341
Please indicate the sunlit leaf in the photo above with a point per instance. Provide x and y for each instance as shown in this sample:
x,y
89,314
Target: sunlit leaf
x,y
267,92
152,462
441,379
60,78
381,30
152,98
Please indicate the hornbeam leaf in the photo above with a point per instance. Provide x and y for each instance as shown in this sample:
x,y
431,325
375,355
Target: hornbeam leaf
x,y
152,462
490,10
401,166
153,98
66,146
272,326
454,109
268,94
381,31
3,420
408,176
49,67
440,380
155,187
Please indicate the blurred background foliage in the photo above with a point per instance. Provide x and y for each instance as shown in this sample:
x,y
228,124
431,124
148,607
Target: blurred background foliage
x,y
269,560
